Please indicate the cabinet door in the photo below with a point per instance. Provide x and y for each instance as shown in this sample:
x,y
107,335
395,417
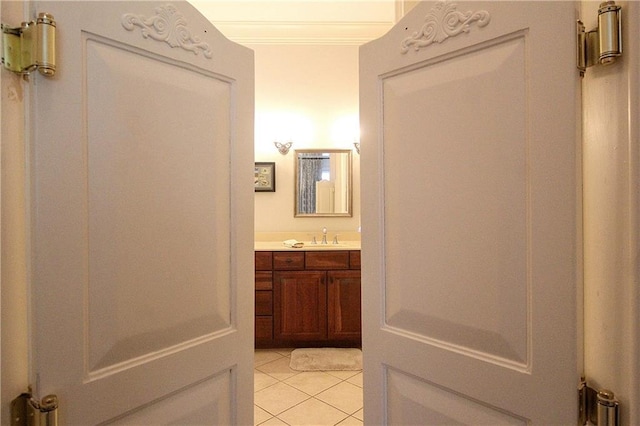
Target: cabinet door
x,y
300,305
344,305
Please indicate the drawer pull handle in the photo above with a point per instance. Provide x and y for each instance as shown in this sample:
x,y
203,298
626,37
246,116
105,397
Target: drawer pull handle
x,y
289,260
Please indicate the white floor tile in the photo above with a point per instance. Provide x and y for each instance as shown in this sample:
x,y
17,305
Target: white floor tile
x,y
359,414
312,382
351,421
344,375
274,421
278,368
264,356
344,396
278,398
262,380
356,380
312,412
284,351
259,415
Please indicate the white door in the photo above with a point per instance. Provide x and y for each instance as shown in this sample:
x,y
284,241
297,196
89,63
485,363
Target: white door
x,y
471,203
142,218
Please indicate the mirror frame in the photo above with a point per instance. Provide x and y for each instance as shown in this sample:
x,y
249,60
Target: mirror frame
x,y
296,186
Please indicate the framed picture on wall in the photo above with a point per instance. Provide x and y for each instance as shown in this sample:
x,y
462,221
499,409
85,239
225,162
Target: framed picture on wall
x,y
265,177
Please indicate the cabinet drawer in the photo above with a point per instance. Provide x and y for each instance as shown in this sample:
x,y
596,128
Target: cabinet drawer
x,y
287,261
327,260
264,328
264,280
264,302
354,259
263,260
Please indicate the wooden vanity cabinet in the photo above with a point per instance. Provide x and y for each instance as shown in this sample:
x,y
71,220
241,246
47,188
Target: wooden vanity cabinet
x,y
315,299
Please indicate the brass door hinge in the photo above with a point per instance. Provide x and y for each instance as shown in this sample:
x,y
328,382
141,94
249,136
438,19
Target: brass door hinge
x,y
603,44
31,46
27,411
600,407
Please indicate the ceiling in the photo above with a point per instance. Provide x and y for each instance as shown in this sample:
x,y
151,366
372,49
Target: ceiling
x,y
302,21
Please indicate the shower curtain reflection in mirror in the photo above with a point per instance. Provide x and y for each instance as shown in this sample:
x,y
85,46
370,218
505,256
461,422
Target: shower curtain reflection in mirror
x,y
310,171
323,183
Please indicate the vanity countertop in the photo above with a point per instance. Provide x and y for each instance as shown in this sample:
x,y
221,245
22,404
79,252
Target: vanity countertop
x,y
274,241
279,246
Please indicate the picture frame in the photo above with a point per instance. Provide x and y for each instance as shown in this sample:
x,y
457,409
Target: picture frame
x,y
265,177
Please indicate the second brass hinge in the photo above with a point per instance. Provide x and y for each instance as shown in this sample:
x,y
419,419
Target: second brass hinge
x,y
27,411
603,44
31,46
599,407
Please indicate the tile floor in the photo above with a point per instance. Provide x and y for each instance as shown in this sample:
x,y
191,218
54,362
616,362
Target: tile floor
x,y
287,397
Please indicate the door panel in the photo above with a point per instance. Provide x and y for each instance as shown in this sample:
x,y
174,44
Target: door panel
x,y
142,217
470,243
475,226
202,403
142,199
412,398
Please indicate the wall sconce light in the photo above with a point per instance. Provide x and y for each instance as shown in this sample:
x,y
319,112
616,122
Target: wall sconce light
x,y
603,44
283,147
357,145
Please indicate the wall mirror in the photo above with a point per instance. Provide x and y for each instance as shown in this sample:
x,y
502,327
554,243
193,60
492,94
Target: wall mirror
x,y
323,182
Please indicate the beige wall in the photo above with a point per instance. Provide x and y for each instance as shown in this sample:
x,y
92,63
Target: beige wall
x,y
307,94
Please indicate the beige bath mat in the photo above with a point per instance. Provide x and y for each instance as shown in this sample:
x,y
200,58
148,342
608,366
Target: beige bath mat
x,y
326,359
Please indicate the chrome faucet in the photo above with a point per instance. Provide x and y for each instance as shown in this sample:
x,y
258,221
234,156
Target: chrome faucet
x,y
335,239
324,235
